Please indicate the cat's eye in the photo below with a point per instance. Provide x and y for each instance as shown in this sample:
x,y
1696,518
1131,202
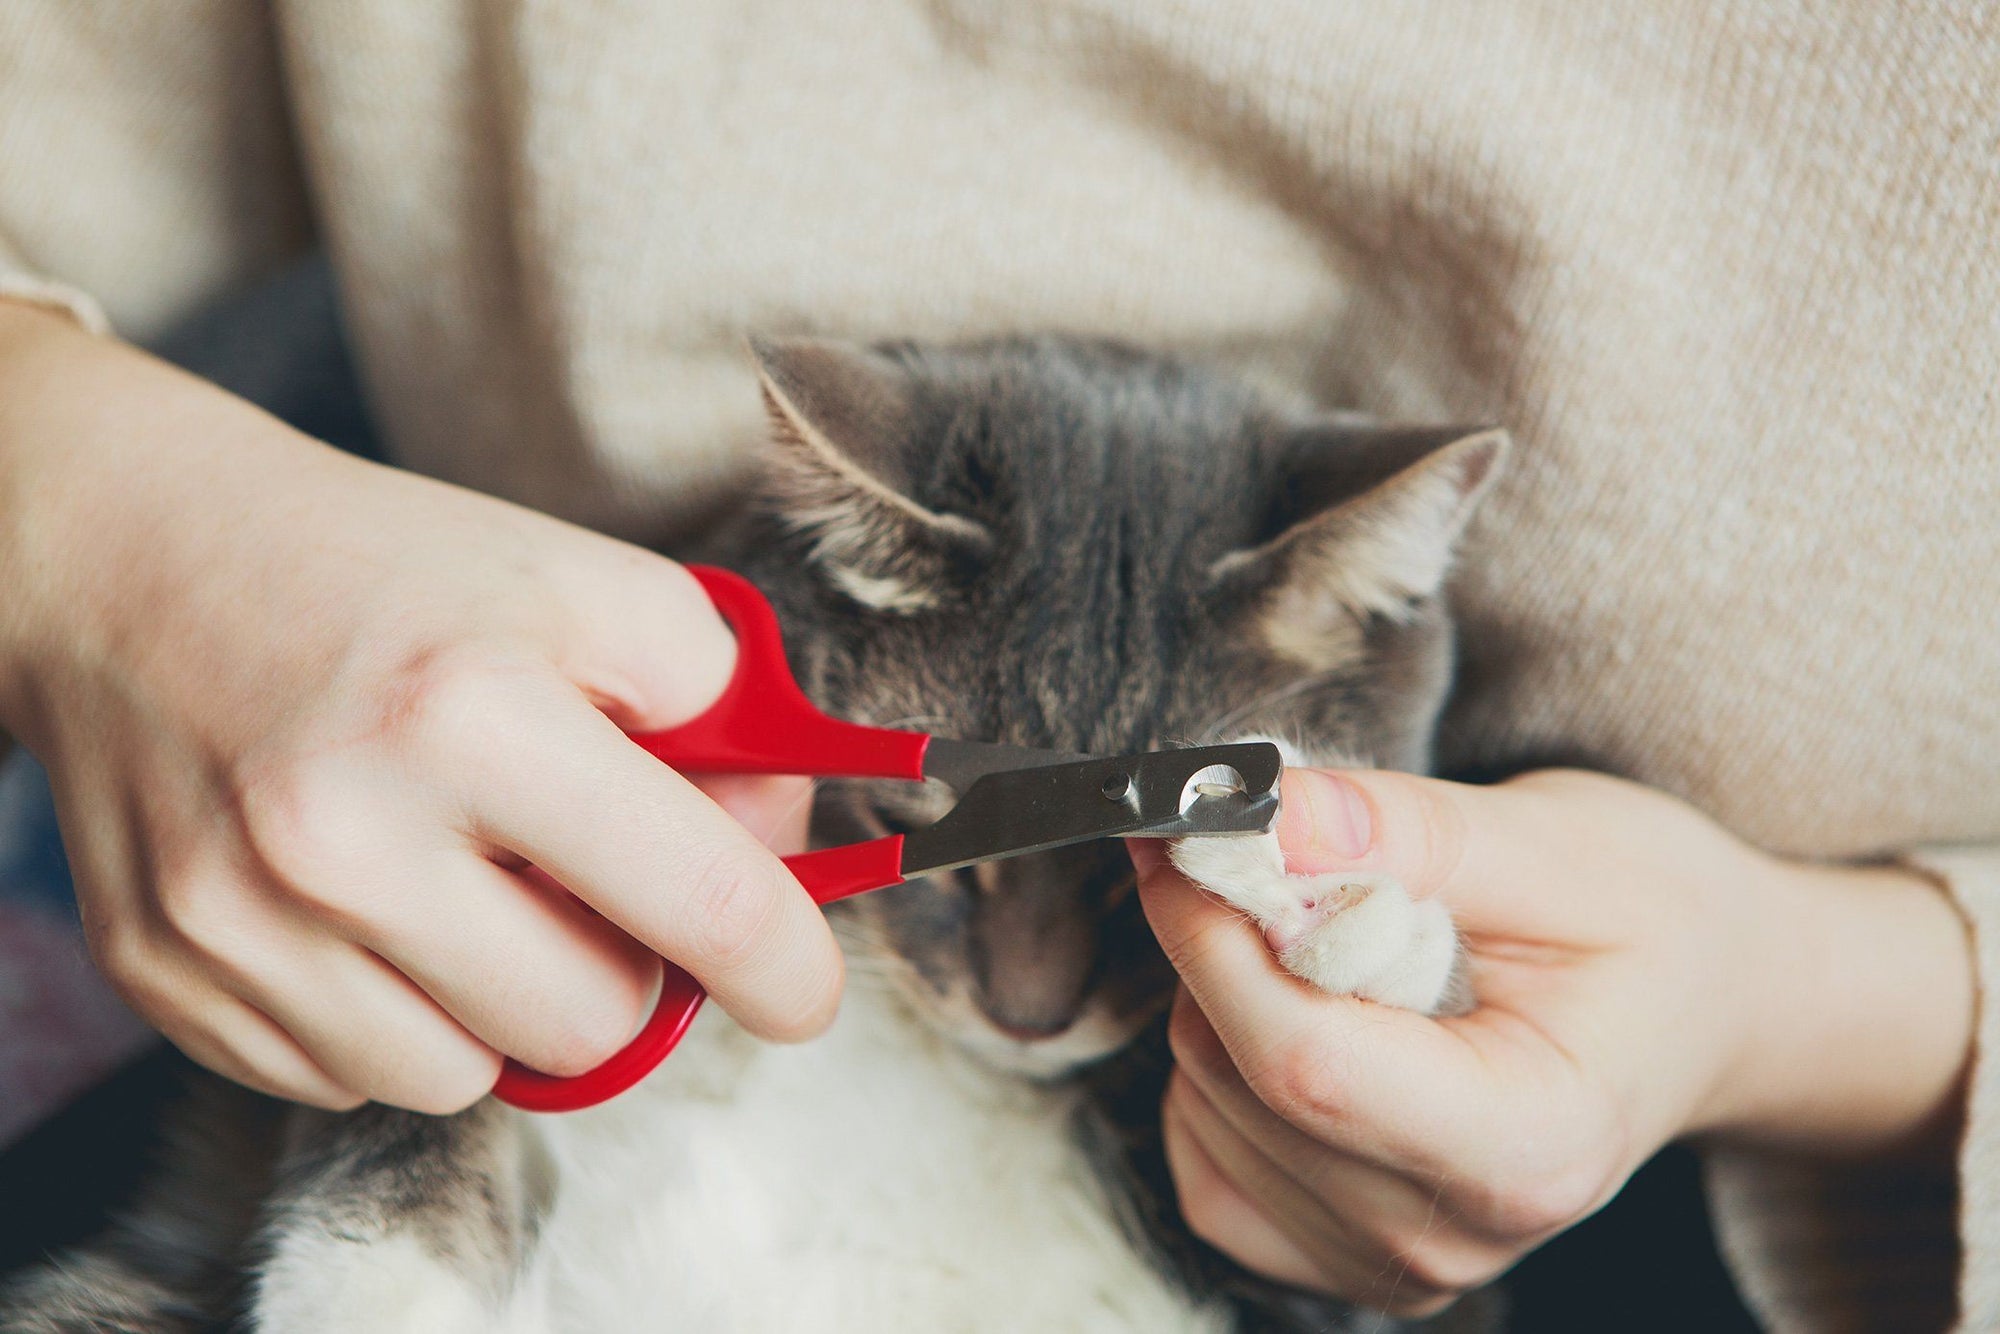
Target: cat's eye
x,y
890,821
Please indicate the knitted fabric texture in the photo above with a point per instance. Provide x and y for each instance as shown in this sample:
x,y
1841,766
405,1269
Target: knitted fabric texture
x,y
1726,272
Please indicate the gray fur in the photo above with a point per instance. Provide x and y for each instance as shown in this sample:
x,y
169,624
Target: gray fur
x,y
1045,542
173,1263
1094,538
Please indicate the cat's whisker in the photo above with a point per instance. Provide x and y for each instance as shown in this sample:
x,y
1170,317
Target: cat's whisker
x,y
805,798
873,968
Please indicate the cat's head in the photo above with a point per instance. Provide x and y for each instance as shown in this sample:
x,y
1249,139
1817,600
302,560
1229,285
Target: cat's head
x,y
1086,548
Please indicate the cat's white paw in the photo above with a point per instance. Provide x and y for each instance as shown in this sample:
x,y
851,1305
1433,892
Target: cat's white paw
x,y
1364,935
1357,934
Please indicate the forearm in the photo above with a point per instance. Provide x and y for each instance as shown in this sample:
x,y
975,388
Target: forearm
x,y
1862,1032
58,400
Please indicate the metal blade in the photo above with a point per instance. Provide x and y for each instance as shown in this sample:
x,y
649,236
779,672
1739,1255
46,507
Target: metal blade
x,y
960,764
1199,792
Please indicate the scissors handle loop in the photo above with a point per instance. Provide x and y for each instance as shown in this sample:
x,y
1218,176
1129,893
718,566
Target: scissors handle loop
x,y
829,874
762,723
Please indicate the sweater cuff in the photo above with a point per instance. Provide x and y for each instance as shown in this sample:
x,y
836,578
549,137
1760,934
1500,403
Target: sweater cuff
x,y
1819,1245
21,285
1971,874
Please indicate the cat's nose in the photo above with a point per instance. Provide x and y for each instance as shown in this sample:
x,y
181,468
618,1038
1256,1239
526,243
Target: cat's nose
x,y
1033,975
1035,1031
1036,937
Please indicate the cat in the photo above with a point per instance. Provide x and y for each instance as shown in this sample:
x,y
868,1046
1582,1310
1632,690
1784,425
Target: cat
x,y
1045,541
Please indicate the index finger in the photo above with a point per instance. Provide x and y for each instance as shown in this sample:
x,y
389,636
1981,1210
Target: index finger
x,y
651,852
1388,1085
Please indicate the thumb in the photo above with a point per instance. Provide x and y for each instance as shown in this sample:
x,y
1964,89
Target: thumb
x,y
1372,820
1449,841
1422,831
1419,830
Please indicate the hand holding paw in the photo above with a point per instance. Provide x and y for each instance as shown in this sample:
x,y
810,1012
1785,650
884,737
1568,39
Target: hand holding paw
x,y
1366,1106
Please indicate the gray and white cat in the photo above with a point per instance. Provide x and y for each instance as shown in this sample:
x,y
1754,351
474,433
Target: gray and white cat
x,y
1045,542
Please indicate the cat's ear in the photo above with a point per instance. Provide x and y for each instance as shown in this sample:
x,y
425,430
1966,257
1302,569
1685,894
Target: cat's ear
x,y
840,421
1397,503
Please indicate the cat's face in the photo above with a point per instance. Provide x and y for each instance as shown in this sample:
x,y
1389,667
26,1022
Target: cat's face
x,y
1078,547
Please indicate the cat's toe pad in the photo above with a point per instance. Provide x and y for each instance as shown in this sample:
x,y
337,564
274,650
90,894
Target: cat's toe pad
x,y
1356,933
1363,935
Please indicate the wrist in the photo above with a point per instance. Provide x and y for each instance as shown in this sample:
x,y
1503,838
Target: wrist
x,y
32,350
1859,1032
109,460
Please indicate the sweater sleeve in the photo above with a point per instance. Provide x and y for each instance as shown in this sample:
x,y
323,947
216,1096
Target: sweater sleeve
x,y
1972,875
20,282
1912,1244
149,162
146,160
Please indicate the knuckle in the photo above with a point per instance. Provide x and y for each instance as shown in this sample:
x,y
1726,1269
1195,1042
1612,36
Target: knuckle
x,y
1192,1041
451,1090
730,908
682,600
1535,1206
1184,1036
1187,951
1554,779
1567,782
129,960
297,821
1441,832
1299,1082
1553,797
202,911
1206,1217
444,1099
1414,1301
592,1037
450,704
327,1100
1440,1270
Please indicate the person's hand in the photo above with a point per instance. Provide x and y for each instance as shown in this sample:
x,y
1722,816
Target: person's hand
x,y
1639,975
321,733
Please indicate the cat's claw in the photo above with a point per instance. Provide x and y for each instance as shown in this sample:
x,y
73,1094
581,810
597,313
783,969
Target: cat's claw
x,y
1351,934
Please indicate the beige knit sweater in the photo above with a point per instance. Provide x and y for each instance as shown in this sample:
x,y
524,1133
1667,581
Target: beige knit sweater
x,y
1730,276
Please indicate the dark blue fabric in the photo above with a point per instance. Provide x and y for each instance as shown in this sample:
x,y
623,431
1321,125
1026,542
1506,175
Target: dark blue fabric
x,y
32,865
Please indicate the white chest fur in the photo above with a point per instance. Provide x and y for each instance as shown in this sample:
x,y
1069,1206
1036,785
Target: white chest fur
x,y
876,1179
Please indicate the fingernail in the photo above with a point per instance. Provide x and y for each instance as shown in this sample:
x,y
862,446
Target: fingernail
x,y
1325,818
